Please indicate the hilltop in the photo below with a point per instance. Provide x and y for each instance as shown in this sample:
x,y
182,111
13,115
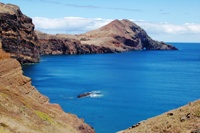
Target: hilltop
x,y
117,36
122,35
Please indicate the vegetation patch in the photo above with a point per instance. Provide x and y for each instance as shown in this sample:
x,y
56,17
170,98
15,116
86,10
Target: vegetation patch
x,y
44,116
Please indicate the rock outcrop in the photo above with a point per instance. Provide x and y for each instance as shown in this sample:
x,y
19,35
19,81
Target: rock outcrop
x,y
24,110
122,36
17,35
185,119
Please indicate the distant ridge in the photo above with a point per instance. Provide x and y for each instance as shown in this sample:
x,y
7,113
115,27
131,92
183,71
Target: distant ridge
x,y
117,36
123,35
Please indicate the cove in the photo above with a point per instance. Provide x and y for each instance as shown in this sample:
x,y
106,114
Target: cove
x,y
132,86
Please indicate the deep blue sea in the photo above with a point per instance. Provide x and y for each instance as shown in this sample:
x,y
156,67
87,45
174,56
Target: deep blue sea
x,y
129,87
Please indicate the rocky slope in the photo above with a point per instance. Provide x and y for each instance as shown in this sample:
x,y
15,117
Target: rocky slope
x,y
122,36
17,34
24,110
185,119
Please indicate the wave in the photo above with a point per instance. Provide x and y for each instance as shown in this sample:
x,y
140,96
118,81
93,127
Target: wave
x,y
95,94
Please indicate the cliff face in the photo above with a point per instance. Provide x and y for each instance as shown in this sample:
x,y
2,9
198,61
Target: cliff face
x,y
17,35
122,36
23,109
185,119
117,36
56,44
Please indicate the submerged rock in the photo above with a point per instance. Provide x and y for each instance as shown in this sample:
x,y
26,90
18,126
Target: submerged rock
x,y
93,94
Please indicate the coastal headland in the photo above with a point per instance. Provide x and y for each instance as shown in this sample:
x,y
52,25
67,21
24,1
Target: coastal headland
x,y
23,109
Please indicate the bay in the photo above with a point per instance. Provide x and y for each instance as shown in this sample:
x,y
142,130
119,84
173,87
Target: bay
x,y
128,87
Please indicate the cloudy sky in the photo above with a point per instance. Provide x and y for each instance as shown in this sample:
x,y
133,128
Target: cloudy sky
x,y
164,20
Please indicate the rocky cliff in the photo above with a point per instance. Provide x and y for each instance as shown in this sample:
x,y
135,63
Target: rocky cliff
x,y
66,44
17,35
117,36
122,36
185,119
24,110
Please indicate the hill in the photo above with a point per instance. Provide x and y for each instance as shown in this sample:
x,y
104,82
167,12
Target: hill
x,y
185,119
122,36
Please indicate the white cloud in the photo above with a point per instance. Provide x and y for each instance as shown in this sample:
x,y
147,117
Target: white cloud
x,y
188,32
167,28
70,25
159,31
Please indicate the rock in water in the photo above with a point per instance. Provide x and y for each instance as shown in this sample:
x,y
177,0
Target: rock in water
x,y
93,94
84,95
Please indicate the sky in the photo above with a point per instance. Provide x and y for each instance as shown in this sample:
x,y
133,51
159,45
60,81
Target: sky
x,y
163,20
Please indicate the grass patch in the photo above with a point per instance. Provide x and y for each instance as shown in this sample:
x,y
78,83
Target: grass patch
x,y
44,116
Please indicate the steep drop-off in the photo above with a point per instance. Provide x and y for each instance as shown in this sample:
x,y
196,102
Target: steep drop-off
x,y
24,110
17,35
56,44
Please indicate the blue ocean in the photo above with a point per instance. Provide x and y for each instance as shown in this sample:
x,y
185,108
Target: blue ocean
x,y
125,88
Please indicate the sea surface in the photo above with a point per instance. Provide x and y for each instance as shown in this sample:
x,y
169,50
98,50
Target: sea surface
x,y
126,87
